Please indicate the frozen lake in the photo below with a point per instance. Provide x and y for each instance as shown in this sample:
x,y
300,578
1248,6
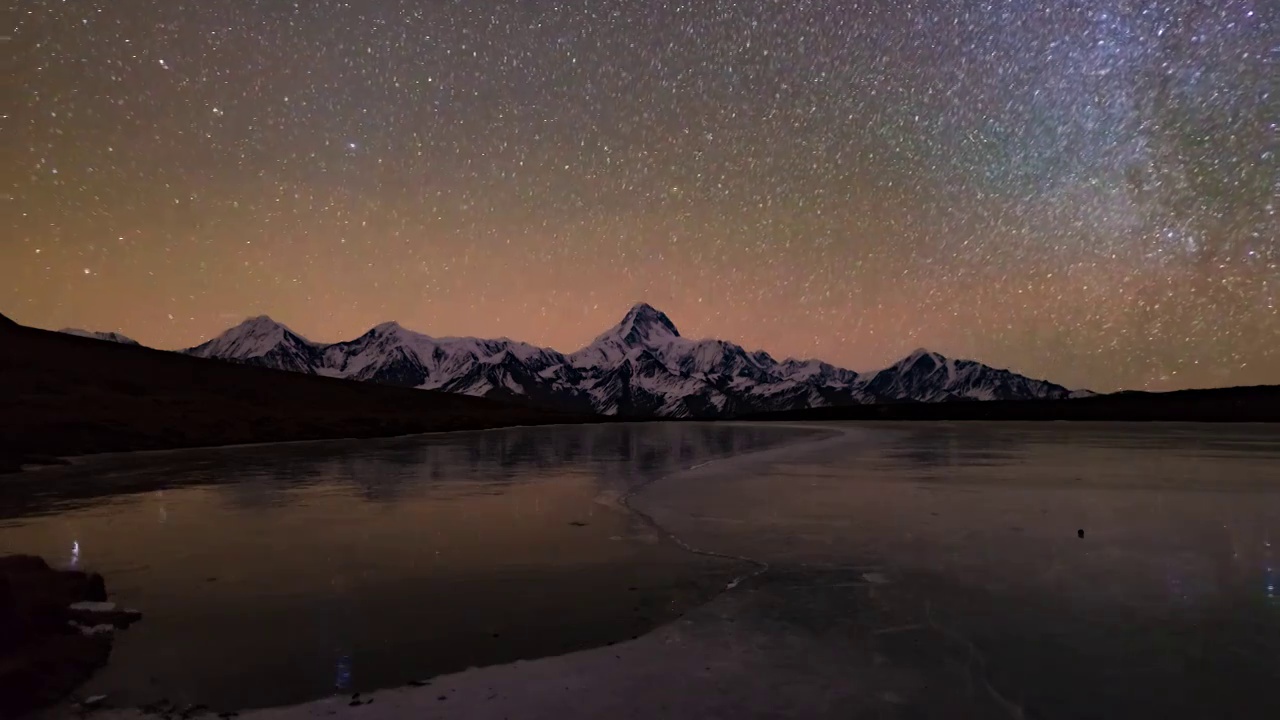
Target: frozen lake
x,y
955,550
908,570
276,574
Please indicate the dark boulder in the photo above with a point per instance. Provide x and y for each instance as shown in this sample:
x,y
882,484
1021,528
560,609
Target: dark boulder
x,y
44,653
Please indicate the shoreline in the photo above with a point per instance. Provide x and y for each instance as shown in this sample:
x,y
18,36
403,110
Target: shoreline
x,y
12,463
38,463
79,460
812,419
1255,404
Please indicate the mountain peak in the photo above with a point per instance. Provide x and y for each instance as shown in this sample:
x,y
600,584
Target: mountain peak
x,y
643,307
648,320
390,326
260,321
644,326
253,337
258,325
918,353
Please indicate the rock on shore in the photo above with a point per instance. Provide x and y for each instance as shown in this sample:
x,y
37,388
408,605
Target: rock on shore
x,y
55,631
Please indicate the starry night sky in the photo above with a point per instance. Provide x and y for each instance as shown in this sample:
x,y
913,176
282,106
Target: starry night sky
x,y
1080,190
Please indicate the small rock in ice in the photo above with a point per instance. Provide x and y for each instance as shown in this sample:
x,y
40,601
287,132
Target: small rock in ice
x,y
92,700
876,578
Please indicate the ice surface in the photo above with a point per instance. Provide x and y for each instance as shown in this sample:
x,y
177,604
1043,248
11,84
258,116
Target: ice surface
x,y
1161,609
935,570
734,658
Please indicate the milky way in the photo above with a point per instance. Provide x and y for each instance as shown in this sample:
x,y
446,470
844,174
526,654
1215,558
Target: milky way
x,y
1084,191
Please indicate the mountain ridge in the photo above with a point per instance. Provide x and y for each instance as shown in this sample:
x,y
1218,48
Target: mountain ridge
x,y
640,367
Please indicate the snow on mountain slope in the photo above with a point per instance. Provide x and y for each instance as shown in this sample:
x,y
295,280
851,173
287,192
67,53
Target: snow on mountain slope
x,y
642,327
386,354
925,376
391,354
263,341
640,367
816,370
108,336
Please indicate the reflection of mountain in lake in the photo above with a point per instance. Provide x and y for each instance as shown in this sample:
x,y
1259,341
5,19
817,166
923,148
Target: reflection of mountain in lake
x,y
615,456
935,448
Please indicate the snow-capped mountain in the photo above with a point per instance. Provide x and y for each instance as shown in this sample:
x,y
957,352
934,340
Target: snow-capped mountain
x,y
925,376
472,366
114,337
640,367
642,327
263,341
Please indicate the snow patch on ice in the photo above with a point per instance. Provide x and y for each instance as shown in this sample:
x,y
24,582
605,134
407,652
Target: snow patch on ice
x,y
90,606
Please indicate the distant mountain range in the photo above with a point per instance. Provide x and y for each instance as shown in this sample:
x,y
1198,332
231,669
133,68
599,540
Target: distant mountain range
x,y
67,394
640,367
108,336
